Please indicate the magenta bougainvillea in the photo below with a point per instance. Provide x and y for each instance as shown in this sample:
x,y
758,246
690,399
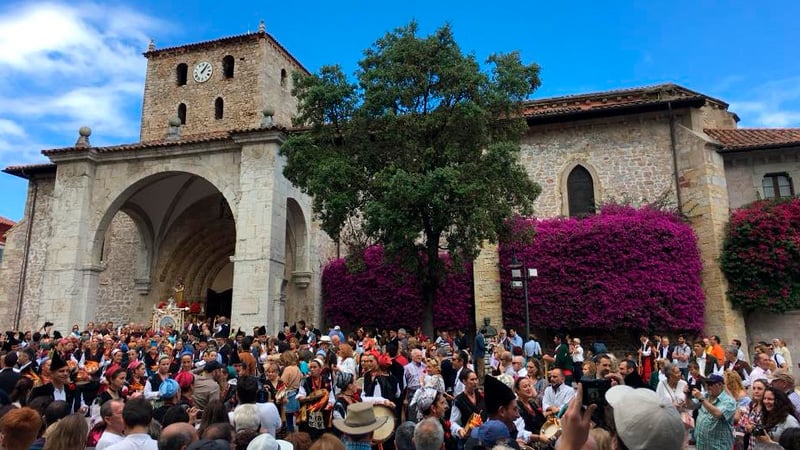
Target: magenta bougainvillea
x,y
624,268
761,256
388,295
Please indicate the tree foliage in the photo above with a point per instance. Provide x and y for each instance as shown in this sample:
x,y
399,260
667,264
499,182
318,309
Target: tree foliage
x,y
422,151
626,268
761,256
385,294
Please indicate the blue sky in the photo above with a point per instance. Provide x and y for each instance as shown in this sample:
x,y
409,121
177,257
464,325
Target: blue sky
x,y
67,64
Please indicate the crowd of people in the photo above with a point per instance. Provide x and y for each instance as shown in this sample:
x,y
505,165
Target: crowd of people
x,y
208,386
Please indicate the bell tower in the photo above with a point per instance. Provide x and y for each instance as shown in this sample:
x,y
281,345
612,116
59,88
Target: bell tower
x,y
218,85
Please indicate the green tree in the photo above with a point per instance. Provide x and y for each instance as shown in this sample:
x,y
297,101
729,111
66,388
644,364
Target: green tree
x,y
422,152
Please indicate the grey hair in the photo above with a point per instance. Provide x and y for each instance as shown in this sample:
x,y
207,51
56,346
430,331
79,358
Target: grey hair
x,y
668,368
732,349
404,436
428,435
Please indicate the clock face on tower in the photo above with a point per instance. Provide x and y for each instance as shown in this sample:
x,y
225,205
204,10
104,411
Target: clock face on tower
x,y
202,72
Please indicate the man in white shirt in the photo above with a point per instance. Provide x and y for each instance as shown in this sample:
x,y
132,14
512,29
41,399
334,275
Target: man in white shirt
x,y
557,394
111,413
518,364
761,370
137,415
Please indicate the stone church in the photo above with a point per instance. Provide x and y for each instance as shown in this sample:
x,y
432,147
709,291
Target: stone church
x,y
200,204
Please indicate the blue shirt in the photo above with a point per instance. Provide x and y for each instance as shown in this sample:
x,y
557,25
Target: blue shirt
x,y
480,347
532,348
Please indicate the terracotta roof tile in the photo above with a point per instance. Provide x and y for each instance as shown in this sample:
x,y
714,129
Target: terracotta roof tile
x,y
188,140
615,99
26,170
7,221
754,138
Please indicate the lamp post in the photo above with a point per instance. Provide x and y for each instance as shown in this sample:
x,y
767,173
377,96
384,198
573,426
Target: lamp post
x,y
520,281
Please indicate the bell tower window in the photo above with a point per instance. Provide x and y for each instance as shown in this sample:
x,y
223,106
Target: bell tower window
x,y
181,74
219,106
182,113
227,66
283,77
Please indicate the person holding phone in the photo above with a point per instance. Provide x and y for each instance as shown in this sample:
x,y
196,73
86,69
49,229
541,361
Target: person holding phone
x,y
714,424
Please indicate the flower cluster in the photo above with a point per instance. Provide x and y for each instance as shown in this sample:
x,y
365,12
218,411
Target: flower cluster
x,y
388,295
624,268
761,256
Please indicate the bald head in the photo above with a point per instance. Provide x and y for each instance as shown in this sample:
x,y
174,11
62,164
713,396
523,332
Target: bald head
x,y
177,436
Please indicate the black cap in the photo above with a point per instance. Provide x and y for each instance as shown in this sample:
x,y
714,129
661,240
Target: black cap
x,y
56,362
497,394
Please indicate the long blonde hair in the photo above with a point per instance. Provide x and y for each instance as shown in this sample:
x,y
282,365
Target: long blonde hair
x,y
733,383
68,434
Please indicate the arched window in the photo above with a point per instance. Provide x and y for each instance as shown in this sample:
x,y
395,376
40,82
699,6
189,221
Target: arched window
x,y
182,113
219,106
777,185
181,73
283,77
227,66
580,192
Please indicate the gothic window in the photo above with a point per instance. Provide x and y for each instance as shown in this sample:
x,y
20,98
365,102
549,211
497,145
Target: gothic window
x,y
181,74
218,108
283,77
182,113
227,66
777,185
580,192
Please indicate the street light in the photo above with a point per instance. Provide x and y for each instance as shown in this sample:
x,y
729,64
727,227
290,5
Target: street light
x,y
519,281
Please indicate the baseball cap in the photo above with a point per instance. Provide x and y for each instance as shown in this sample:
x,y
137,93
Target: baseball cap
x,y
714,379
645,422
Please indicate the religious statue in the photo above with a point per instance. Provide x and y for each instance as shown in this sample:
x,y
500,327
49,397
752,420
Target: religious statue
x,y
178,295
490,330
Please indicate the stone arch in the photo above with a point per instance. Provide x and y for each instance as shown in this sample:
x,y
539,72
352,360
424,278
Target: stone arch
x,y
570,169
115,199
145,252
296,238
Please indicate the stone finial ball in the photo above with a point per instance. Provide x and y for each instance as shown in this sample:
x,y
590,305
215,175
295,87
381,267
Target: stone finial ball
x,y
85,131
175,121
268,111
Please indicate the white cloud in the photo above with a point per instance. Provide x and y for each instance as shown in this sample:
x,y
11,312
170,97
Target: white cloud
x,y
65,65
773,104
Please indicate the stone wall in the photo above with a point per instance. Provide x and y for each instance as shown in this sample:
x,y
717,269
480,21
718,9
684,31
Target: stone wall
x,y
744,172
256,83
117,299
704,194
10,270
767,326
629,157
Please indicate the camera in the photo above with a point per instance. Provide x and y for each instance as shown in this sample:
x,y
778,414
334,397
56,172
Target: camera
x,y
759,430
594,392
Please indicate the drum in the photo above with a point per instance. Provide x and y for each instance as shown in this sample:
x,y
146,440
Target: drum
x,y
551,429
385,431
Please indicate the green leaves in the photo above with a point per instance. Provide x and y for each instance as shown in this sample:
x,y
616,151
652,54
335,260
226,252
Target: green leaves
x,y
424,146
